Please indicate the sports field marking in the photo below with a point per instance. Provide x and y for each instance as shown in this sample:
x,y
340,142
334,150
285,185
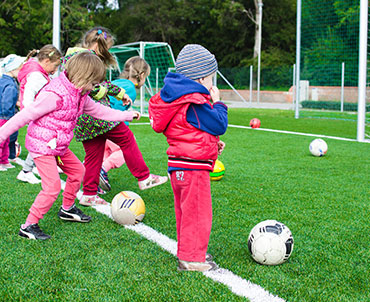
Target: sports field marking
x,y
236,284
298,133
286,132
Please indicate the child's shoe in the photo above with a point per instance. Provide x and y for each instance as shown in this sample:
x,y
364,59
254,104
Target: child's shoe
x,y
92,200
197,266
209,257
28,177
3,168
33,231
73,214
17,161
8,166
152,181
101,191
104,181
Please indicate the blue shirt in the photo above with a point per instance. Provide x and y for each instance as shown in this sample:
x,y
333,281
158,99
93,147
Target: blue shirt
x,y
130,91
8,96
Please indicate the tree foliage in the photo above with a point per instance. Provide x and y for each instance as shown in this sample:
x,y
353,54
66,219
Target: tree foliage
x,y
220,25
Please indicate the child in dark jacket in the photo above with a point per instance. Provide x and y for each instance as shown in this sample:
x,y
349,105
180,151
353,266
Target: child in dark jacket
x,y
189,113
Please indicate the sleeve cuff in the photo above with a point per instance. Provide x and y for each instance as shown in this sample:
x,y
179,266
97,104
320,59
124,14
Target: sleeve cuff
x,y
120,95
101,93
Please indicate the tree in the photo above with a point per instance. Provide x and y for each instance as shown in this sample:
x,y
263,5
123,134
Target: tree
x,y
27,24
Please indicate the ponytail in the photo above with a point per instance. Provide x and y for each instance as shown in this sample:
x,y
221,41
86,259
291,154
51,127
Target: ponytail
x,y
104,40
46,52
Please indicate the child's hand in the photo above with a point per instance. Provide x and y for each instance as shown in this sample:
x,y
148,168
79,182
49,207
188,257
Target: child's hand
x,y
220,147
215,94
126,100
137,115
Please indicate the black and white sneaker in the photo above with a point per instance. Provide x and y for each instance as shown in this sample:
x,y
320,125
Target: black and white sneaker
x,y
33,231
104,180
73,214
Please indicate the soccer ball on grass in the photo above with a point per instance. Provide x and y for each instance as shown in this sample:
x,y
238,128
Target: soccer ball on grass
x,y
218,171
127,208
270,242
255,123
318,147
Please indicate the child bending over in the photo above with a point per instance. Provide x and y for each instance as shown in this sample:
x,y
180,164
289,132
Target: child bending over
x,y
34,75
51,119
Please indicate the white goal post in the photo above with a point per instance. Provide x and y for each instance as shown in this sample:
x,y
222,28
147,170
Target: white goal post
x,y
362,70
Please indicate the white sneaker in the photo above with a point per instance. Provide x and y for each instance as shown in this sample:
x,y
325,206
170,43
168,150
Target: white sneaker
x,y
3,168
28,177
35,171
17,161
8,166
152,181
197,266
94,200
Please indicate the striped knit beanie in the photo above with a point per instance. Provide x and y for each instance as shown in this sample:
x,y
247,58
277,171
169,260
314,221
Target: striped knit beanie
x,y
195,62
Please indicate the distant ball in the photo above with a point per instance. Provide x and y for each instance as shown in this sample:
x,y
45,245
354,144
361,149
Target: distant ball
x,y
318,147
270,242
127,208
255,123
218,171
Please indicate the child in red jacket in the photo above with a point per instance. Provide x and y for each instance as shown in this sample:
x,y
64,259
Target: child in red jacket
x,y
189,113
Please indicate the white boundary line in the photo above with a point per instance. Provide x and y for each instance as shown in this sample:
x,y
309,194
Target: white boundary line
x,y
298,133
236,284
286,132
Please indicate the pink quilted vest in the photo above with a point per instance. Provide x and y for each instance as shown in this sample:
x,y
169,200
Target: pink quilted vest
x,y
31,65
59,123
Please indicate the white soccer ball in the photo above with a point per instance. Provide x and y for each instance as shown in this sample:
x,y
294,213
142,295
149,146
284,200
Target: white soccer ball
x,y
127,208
270,242
318,147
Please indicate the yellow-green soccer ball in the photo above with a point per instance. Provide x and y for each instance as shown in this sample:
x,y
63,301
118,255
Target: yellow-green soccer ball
x,y
218,171
127,208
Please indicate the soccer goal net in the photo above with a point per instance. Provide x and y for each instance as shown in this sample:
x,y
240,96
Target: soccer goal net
x,y
329,60
161,60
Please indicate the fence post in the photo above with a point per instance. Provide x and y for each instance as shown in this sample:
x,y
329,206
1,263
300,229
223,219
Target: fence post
x,y
250,83
342,90
156,80
294,83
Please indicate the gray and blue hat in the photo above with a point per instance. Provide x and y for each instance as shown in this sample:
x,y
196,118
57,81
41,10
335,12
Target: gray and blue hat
x,y
195,62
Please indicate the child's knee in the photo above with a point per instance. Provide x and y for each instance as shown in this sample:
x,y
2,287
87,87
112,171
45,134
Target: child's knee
x,y
53,189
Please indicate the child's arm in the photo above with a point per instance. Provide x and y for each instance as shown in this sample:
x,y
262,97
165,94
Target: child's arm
x,y
102,112
45,103
107,88
35,81
207,118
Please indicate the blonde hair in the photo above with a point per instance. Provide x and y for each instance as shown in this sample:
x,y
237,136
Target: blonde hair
x,y
134,68
85,68
46,52
104,40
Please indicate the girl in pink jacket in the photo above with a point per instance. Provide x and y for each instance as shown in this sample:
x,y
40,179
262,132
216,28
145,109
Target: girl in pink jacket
x,y
51,120
32,77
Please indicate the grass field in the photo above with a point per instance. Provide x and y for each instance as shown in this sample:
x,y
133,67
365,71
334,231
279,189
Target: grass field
x,y
324,201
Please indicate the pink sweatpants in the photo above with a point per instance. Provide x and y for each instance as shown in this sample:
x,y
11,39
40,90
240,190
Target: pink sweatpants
x,y
51,185
94,149
4,147
113,156
193,210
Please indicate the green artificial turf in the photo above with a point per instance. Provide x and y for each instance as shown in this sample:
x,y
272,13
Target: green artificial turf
x,y
323,200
